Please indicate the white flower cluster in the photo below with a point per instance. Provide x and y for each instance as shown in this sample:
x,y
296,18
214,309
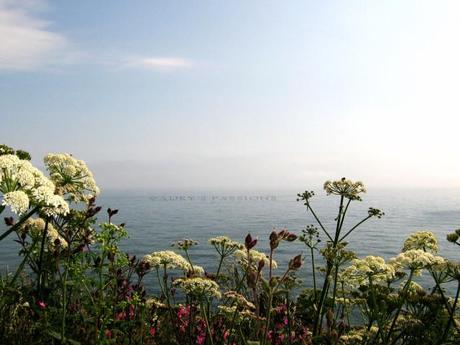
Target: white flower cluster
x,y
23,185
345,187
198,286
416,260
255,257
37,225
224,245
71,177
371,267
424,240
171,260
239,300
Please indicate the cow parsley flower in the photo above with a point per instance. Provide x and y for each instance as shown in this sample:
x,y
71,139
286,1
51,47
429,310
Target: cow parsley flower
x,y
416,260
21,178
424,240
18,201
224,245
239,300
199,287
255,256
36,226
362,271
71,177
171,260
345,188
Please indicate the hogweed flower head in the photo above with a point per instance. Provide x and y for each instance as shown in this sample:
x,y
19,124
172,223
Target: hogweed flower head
x,y
362,271
23,185
18,201
171,260
345,188
254,256
454,236
310,236
239,300
36,227
71,177
305,197
198,287
424,240
416,260
184,244
224,245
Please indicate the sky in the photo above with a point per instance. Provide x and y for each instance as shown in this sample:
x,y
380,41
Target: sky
x,y
197,95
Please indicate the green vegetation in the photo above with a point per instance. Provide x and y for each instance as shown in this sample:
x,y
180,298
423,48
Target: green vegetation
x,y
75,286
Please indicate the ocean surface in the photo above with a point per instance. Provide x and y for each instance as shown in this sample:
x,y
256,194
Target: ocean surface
x,y
155,220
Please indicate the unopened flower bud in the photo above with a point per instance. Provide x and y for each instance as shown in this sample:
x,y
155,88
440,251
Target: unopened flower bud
x,y
9,221
296,262
249,242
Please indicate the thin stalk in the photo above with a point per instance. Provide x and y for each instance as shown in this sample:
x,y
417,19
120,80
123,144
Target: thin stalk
x,y
334,290
344,213
40,262
313,271
451,315
203,310
19,223
406,286
288,318
318,221
353,228
189,260
219,267
317,326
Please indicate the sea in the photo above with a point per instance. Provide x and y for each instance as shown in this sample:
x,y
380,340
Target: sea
x,y
155,220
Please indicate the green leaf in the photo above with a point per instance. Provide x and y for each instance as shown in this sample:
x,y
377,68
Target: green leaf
x,y
2,207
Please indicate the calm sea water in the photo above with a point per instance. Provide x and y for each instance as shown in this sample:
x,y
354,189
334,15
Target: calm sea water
x,y
154,220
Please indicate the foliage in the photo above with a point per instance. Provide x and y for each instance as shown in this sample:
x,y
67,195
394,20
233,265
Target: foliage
x,y
75,285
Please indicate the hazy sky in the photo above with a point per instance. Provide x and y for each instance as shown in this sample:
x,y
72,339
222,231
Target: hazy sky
x,y
236,94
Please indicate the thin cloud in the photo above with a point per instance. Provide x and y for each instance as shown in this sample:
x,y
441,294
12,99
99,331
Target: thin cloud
x,y
27,43
159,63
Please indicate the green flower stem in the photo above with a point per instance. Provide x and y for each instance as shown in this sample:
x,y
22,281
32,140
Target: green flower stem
x,y
220,266
406,287
353,228
318,221
314,272
344,213
208,328
40,262
451,315
189,260
318,319
231,326
443,296
19,223
334,290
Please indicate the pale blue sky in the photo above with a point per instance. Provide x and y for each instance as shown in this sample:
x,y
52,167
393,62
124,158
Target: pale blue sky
x,y
236,94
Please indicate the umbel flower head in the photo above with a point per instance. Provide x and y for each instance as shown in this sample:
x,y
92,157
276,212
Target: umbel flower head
x,y
416,260
424,240
36,226
198,287
369,268
345,188
22,185
171,260
224,245
71,177
254,256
